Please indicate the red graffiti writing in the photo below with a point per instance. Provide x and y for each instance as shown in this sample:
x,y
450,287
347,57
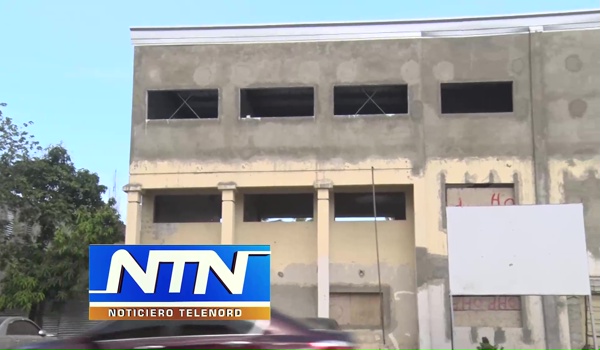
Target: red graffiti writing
x,y
497,199
488,303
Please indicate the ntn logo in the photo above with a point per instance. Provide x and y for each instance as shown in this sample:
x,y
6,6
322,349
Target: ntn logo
x,y
232,279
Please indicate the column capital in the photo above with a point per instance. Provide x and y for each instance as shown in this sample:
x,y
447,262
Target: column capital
x,y
227,186
134,193
323,184
228,211
132,188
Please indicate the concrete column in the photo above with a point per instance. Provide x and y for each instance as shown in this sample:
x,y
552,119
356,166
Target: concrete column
x,y
426,314
323,227
133,228
228,191
556,320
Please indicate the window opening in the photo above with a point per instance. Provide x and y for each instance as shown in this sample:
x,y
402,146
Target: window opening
x,y
277,102
491,194
356,310
481,97
359,206
293,207
183,104
187,208
370,100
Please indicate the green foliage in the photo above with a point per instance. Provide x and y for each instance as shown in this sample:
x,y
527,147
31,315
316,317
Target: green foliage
x,y
59,211
16,144
485,345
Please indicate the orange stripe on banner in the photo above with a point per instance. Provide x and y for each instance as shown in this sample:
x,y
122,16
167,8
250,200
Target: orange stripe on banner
x,y
180,313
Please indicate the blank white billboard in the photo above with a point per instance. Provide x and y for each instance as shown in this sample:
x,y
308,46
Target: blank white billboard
x,y
517,250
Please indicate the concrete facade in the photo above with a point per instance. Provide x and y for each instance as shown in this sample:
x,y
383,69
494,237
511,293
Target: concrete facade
x,y
547,150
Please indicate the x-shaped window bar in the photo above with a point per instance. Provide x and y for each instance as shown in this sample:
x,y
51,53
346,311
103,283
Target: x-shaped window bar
x,y
369,99
184,103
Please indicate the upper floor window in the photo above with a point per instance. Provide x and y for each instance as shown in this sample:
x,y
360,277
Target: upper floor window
x,y
277,102
480,97
370,100
183,104
187,208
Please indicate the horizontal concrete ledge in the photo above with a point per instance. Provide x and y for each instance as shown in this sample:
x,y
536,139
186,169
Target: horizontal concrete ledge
x,y
309,32
295,170
270,179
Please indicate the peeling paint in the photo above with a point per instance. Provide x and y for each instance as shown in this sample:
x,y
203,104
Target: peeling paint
x,y
394,341
398,295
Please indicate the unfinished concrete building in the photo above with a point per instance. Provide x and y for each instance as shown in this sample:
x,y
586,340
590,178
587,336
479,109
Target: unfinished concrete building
x,y
267,134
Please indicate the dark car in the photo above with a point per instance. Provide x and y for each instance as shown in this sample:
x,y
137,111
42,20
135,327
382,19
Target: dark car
x,y
281,332
17,330
322,323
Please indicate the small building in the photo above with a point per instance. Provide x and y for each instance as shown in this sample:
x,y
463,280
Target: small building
x,y
276,134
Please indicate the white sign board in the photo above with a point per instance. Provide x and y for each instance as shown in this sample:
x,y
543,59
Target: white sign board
x,y
517,250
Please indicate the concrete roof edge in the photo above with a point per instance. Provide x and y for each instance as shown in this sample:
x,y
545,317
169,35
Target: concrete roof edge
x,y
337,31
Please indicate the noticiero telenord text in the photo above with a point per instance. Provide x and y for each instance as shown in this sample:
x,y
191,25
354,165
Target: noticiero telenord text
x,y
179,313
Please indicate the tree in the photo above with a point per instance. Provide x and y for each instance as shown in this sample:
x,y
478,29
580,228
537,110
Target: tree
x,y
60,211
16,144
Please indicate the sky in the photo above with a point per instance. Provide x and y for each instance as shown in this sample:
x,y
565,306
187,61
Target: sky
x,y
67,65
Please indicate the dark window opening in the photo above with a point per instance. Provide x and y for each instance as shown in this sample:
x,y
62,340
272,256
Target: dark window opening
x,y
277,102
187,208
278,207
359,206
183,104
370,100
487,97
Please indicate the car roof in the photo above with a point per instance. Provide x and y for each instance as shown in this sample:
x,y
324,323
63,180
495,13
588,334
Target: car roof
x,y
8,318
275,314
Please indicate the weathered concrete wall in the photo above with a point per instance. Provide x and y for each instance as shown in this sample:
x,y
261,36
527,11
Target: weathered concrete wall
x,y
570,130
439,175
577,321
294,263
354,270
293,260
548,148
230,67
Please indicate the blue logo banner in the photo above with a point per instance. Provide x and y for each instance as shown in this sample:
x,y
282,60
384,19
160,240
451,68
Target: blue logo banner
x,y
179,273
